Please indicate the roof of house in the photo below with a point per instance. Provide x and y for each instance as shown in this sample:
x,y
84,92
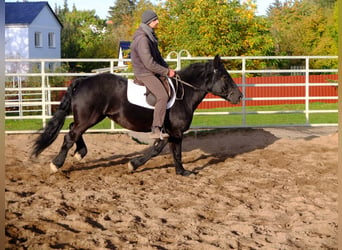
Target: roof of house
x,y
24,12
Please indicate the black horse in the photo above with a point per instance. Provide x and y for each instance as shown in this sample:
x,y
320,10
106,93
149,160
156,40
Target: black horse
x,y
93,98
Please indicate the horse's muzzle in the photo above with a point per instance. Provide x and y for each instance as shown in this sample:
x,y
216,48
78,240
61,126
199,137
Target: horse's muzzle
x,y
235,96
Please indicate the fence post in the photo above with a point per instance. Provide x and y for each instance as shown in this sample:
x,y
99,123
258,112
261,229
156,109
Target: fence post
x,y
112,126
244,91
43,92
49,110
179,58
307,89
111,66
169,56
20,96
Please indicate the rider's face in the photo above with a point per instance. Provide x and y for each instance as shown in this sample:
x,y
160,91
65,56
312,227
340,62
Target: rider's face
x,y
154,24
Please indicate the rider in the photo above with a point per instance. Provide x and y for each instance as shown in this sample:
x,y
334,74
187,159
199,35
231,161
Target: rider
x,y
148,65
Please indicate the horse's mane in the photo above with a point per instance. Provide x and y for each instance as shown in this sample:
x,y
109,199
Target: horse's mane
x,y
196,70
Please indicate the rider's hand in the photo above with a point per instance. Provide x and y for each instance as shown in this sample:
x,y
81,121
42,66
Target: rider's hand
x,y
171,73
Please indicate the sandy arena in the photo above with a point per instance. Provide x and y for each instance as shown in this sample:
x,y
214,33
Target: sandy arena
x,y
255,189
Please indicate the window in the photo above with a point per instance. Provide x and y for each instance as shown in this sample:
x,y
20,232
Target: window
x,y
51,66
38,40
52,40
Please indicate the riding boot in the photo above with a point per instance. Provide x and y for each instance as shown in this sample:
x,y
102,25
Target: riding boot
x,y
158,134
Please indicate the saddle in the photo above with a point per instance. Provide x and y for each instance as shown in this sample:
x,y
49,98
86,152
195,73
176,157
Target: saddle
x,y
139,95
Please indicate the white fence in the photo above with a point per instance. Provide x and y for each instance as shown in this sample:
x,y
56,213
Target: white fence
x,y
33,101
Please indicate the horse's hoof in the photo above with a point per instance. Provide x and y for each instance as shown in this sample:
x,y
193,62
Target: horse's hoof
x,y
53,168
78,156
186,173
131,169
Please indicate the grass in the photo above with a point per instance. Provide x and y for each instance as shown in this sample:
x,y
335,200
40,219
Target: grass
x,y
220,120
267,119
37,124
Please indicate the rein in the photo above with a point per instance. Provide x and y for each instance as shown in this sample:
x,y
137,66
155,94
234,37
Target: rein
x,y
178,79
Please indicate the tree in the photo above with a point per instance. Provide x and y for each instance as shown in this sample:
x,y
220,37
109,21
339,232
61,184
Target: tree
x,y
82,35
325,4
209,27
122,10
206,28
304,27
276,5
328,43
295,27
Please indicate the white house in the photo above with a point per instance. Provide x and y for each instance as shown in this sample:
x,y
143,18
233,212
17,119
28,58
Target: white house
x,y
32,30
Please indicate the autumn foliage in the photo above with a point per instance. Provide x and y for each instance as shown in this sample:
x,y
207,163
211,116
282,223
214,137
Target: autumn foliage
x,y
208,27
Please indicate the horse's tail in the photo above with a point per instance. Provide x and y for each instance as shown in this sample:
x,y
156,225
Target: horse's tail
x,y
51,130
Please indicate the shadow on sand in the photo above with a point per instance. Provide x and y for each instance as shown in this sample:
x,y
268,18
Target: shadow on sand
x,y
216,145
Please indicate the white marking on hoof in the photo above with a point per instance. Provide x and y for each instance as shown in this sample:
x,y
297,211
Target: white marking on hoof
x,y
130,167
53,168
78,156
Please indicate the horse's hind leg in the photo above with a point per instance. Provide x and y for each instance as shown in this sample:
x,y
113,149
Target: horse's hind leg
x,y
74,135
59,160
81,148
153,151
80,125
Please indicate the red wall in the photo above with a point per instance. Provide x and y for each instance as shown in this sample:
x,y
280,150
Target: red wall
x,y
282,91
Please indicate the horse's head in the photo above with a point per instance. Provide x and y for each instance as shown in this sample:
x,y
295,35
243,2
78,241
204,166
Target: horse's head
x,y
222,83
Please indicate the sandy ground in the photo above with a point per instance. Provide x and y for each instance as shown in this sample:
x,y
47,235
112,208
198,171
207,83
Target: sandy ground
x,y
255,189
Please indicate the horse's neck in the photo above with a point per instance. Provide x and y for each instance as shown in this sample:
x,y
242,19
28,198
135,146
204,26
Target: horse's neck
x,y
193,96
198,75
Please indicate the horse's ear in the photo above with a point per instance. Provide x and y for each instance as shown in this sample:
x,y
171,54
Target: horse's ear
x,y
217,62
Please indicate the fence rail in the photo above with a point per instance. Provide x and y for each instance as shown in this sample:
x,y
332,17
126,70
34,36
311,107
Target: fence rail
x,y
24,101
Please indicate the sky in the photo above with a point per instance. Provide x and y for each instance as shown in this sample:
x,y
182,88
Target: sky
x,y
102,6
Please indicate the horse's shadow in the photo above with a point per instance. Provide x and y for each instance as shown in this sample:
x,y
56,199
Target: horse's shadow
x,y
229,142
103,162
225,143
215,145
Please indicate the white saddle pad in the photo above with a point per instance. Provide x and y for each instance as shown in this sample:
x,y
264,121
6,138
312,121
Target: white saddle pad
x,y
136,95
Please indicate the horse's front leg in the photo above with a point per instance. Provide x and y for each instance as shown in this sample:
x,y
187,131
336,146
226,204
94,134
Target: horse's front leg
x,y
176,149
153,151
